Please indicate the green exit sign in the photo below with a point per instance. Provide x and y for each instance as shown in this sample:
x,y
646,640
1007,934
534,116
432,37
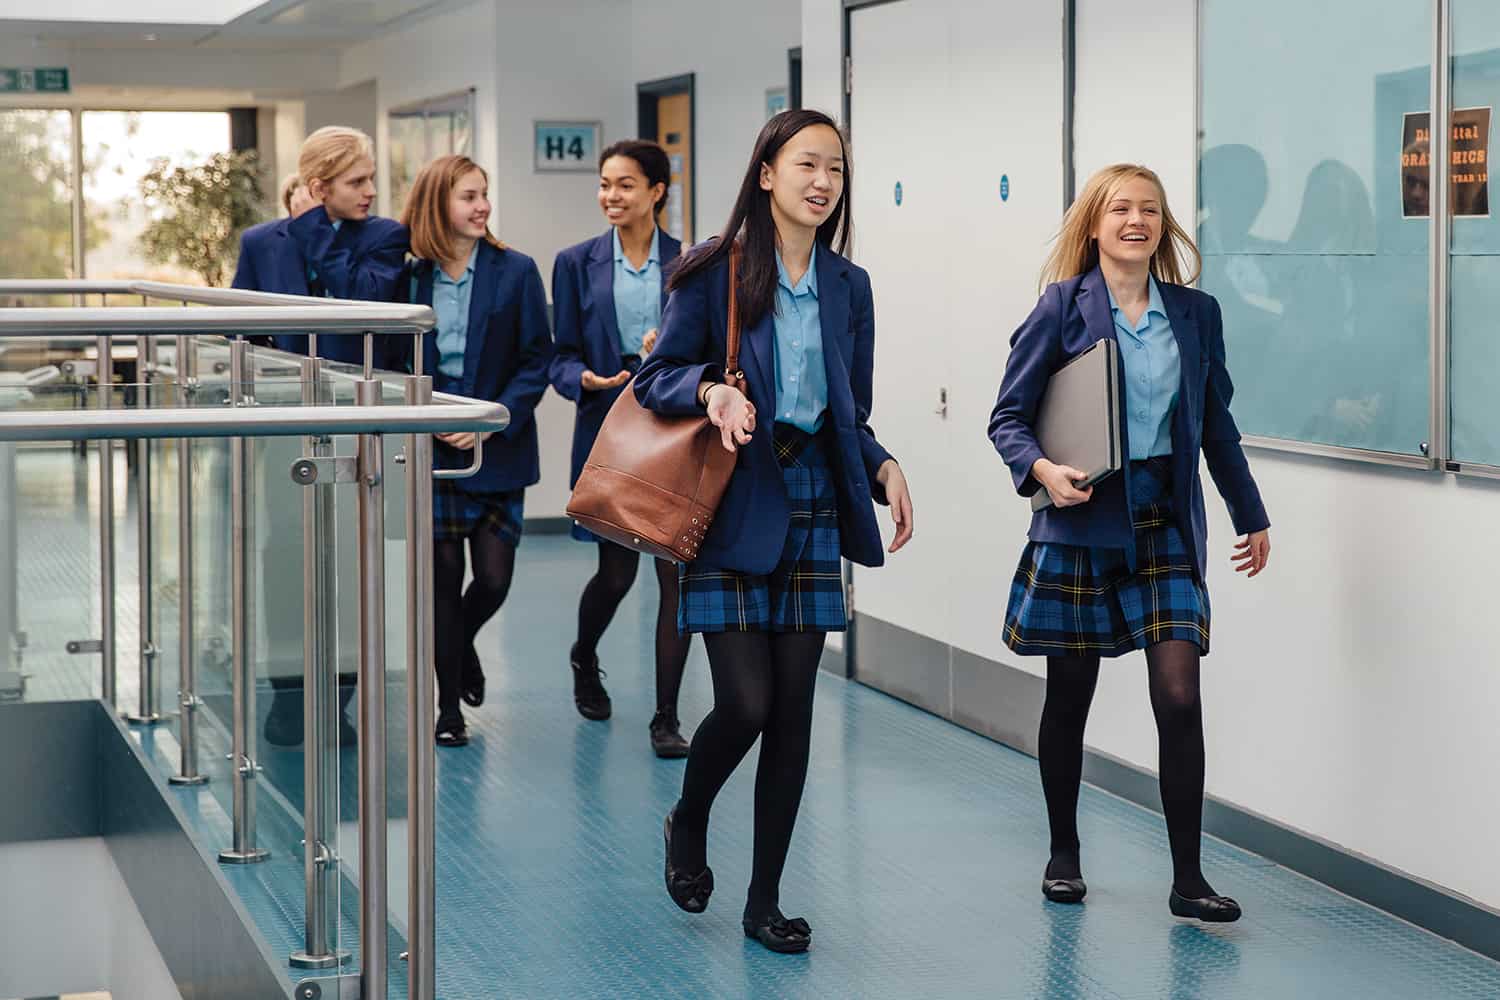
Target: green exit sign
x,y
47,80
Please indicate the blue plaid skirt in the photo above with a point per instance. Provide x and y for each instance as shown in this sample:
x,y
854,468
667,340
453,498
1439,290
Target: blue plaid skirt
x,y
457,513
805,592
1078,600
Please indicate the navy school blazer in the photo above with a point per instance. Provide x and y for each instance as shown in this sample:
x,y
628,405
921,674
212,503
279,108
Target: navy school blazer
x,y
506,354
751,525
587,332
360,260
1070,317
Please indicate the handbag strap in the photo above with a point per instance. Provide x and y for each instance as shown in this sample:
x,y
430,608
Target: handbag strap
x,y
732,373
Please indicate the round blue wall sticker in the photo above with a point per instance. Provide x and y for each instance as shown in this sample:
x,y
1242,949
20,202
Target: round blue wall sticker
x,y
1005,187
898,194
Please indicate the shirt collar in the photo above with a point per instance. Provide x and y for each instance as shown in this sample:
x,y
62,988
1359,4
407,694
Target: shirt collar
x,y
1153,304
809,283
440,275
654,257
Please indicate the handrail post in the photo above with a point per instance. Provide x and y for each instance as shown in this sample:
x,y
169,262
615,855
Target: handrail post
x,y
187,653
148,713
104,376
421,773
320,700
243,766
373,871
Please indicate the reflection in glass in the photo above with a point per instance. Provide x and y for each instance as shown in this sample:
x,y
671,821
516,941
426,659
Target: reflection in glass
x,y
1322,281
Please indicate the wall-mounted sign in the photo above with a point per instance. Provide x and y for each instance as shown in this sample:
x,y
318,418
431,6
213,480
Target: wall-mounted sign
x,y
566,146
898,194
776,101
52,80
1005,187
1469,148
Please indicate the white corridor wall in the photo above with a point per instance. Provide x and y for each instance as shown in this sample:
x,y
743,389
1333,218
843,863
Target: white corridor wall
x,y
1351,689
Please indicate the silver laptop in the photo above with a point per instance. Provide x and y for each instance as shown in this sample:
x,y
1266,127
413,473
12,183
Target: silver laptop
x,y
1078,421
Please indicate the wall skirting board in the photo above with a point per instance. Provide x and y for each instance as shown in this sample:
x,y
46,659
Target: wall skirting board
x,y
1004,703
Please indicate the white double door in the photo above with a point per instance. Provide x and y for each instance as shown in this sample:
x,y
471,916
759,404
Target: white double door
x,y
950,100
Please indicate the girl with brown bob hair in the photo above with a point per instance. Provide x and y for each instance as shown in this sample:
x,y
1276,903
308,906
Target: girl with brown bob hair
x,y
492,343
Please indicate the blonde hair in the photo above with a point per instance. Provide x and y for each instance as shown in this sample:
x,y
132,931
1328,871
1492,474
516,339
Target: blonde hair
x,y
289,185
426,211
330,151
1076,251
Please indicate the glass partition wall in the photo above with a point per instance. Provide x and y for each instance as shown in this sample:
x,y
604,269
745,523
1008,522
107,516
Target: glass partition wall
x,y
1350,243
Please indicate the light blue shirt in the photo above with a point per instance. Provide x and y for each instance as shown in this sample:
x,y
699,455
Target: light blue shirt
x,y
801,379
637,295
450,300
1153,373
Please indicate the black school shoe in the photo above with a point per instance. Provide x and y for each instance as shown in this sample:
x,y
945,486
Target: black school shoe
x,y
473,683
1209,909
666,737
1064,890
690,892
588,689
451,731
776,933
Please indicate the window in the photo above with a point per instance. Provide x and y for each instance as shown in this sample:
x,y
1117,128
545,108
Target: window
x,y
420,133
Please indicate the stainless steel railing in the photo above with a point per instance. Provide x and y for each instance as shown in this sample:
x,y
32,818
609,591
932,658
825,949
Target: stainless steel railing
x,y
420,413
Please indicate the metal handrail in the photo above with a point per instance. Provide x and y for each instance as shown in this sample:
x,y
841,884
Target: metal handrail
x,y
198,294
258,421
341,318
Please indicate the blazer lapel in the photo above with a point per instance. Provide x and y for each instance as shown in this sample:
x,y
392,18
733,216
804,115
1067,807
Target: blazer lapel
x,y
1189,350
423,270
291,268
758,356
602,284
481,301
1093,302
833,308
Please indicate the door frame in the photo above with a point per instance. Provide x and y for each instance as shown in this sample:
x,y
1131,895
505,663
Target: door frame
x,y
646,96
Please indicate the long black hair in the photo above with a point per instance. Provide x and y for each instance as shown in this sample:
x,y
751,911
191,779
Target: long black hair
x,y
752,216
652,160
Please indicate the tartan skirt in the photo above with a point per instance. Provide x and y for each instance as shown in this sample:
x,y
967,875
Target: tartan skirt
x,y
805,591
458,513
1070,600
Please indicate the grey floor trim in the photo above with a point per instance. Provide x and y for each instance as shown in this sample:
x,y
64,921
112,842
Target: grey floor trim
x,y
199,925
833,662
547,525
1004,703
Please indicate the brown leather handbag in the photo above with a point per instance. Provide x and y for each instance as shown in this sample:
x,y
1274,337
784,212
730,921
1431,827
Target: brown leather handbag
x,y
652,482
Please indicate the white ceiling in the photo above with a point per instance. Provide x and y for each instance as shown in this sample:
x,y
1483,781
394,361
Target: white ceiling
x,y
275,24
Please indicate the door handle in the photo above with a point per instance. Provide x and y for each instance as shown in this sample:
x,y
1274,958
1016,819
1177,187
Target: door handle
x,y
942,407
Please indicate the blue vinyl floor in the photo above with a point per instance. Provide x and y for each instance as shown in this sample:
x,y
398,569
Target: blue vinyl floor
x,y
917,857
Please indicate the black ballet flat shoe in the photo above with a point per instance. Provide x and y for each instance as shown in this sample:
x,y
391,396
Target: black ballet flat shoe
x,y
776,933
1064,890
1209,909
452,733
473,685
690,892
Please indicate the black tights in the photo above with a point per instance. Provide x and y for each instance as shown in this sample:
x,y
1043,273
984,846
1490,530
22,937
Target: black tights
x,y
601,598
763,687
459,614
1173,671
